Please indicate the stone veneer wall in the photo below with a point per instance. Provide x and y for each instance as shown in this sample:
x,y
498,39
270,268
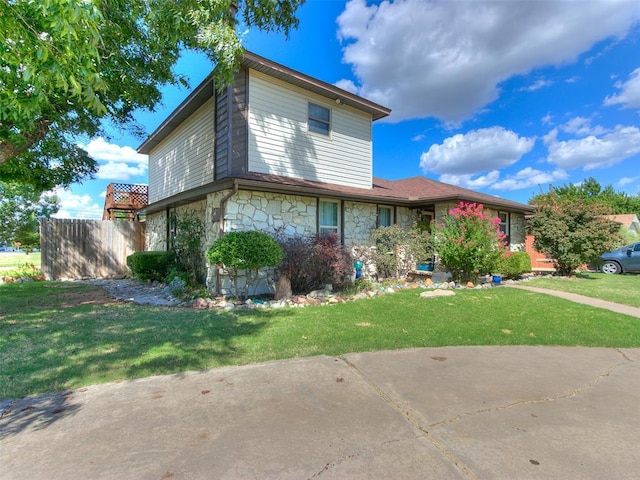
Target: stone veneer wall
x,y
271,213
291,215
156,231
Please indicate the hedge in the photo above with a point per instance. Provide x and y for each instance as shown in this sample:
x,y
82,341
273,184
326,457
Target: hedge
x,y
151,265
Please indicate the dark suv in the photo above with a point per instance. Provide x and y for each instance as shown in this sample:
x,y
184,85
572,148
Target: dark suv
x,y
622,260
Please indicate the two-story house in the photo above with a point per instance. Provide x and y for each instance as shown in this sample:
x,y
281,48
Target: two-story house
x,y
279,150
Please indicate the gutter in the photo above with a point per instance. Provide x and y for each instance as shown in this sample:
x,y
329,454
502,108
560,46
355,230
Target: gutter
x,y
223,209
223,205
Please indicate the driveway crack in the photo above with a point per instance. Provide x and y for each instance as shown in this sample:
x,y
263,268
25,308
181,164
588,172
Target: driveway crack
x,y
462,468
537,401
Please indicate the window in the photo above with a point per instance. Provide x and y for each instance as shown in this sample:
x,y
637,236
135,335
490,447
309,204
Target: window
x,y
328,218
385,216
319,119
504,224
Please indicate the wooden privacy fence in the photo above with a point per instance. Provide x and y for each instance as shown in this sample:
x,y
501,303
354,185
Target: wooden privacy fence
x,y
88,248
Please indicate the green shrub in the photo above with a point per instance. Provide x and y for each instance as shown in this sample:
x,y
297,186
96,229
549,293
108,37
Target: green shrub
x,y
398,248
513,264
572,231
186,244
245,251
150,265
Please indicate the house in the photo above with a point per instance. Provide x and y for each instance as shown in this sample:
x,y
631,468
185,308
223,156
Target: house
x,y
281,151
629,221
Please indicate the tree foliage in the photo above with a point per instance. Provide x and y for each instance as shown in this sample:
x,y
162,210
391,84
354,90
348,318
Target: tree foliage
x,y
186,244
468,241
572,231
21,208
591,192
246,251
68,66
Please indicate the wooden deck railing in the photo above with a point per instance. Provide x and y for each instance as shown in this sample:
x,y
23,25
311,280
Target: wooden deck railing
x,y
123,199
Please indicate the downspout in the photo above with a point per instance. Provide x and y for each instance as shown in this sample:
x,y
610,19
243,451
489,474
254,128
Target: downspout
x,y
223,209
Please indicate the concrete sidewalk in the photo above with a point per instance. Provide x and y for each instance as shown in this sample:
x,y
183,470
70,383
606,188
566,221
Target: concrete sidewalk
x,y
441,413
574,297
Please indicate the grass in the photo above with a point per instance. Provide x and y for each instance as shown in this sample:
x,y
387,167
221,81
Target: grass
x,y
623,289
53,336
13,260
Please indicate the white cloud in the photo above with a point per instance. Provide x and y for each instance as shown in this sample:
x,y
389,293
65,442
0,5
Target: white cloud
x,y
101,150
418,137
593,151
627,180
446,58
547,119
116,162
120,171
468,181
537,85
582,126
529,177
347,85
77,206
629,96
475,152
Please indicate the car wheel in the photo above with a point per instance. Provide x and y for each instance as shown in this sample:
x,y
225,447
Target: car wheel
x,y
611,267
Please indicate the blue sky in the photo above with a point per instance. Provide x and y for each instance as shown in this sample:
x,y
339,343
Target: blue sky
x,y
503,97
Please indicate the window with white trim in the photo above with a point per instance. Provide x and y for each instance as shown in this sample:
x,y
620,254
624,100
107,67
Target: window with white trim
x,y
385,216
328,216
504,224
319,119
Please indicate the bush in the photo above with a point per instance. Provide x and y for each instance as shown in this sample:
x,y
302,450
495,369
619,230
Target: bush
x,y
245,251
311,263
397,249
186,244
468,241
513,264
151,265
572,232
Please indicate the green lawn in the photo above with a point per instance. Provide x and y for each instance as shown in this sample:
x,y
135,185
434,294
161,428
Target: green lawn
x,y
623,289
12,260
50,340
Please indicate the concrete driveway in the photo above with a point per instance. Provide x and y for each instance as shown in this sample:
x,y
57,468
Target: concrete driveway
x,y
436,413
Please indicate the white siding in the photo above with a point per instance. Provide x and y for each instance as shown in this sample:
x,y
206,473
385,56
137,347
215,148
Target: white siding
x,y
183,160
280,144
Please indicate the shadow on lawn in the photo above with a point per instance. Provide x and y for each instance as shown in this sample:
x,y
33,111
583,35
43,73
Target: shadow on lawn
x,y
53,348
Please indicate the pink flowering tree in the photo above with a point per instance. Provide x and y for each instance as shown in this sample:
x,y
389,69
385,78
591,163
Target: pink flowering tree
x,y
468,241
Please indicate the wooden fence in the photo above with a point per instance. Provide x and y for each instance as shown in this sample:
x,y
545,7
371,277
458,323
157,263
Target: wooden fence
x,y
88,248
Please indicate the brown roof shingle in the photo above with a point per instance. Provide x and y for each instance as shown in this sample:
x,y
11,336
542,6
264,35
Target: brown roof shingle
x,y
413,191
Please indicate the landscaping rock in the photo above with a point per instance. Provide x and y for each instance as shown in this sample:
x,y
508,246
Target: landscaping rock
x,y
200,303
319,293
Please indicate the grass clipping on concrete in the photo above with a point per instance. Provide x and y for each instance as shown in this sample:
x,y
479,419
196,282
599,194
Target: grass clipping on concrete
x,y
58,336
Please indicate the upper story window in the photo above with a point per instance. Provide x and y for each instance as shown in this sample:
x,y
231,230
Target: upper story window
x,y
385,216
319,119
328,217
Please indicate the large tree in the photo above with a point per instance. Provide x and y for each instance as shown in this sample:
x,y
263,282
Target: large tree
x,y
572,231
21,208
591,192
68,66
